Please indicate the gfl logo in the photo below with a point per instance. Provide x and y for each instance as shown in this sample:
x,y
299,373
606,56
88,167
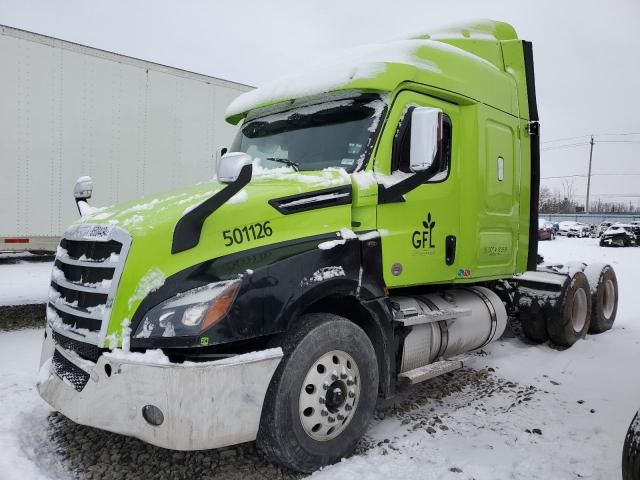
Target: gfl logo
x,y
424,238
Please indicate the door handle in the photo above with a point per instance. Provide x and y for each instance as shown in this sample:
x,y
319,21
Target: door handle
x,y
450,249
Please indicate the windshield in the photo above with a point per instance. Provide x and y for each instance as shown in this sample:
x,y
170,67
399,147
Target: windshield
x,y
314,137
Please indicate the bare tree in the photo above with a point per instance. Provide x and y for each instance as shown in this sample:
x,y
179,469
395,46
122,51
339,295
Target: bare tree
x,y
567,188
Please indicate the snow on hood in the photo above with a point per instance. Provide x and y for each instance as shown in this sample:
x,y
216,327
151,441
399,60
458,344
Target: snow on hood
x,y
138,215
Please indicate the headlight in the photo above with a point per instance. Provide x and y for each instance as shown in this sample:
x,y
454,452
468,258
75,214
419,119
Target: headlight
x,y
189,313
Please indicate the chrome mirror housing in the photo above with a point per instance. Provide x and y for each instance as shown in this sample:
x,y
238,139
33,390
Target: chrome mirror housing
x,y
231,165
426,137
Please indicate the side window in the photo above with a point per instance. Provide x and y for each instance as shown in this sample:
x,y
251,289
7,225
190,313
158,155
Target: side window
x,y
402,144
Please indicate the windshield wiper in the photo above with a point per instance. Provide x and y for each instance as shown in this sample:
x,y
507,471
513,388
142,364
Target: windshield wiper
x,y
286,161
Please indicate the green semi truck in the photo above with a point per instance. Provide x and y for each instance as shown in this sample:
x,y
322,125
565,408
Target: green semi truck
x,y
373,220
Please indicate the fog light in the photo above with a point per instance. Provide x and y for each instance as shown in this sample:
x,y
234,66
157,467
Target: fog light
x,y
153,415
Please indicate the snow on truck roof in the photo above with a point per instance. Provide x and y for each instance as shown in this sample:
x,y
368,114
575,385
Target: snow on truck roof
x,y
446,59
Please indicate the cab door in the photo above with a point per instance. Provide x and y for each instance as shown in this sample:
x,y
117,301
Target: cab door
x,y
419,230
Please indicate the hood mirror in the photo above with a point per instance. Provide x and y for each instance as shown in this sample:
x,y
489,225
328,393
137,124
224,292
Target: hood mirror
x,y
82,192
83,188
231,164
426,138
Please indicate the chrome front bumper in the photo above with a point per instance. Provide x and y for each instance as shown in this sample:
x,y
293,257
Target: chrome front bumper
x,y
205,405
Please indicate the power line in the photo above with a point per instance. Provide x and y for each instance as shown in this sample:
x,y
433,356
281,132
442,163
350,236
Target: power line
x,y
560,147
595,141
616,134
594,175
569,145
587,136
565,139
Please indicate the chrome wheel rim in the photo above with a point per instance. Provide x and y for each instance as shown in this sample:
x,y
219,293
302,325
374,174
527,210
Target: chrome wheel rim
x,y
608,298
329,395
579,310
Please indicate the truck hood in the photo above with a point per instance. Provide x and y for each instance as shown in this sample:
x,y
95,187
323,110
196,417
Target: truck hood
x,y
232,228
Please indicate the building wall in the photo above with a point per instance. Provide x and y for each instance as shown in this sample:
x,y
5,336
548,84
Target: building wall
x,y
69,110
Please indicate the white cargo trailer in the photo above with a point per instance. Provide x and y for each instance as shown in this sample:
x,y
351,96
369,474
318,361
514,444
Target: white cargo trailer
x,y
68,110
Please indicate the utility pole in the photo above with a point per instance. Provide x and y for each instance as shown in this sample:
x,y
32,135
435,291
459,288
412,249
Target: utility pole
x,y
589,175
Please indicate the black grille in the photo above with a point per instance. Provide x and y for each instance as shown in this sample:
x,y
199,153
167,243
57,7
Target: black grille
x,y
84,299
92,251
76,321
66,370
84,350
85,265
85,274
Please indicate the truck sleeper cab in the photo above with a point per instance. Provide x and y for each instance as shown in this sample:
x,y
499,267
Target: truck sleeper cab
x,y
358,236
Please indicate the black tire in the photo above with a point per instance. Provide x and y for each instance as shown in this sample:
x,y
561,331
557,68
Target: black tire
x,y
631,451
570,321
534,326
281,435
604,297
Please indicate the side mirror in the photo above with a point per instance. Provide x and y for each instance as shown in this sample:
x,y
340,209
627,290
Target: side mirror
x,y
220,151
231,165
426,137
83,188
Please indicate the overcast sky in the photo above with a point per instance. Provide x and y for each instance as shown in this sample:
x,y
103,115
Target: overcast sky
x,y
586,54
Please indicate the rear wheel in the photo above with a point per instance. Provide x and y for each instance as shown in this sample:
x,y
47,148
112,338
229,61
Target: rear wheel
x,y
571,320
534,326
631,451
322,395
604,297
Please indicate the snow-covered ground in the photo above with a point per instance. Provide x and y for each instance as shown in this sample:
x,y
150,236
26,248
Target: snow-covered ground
x,y
23,281
519,411
487,438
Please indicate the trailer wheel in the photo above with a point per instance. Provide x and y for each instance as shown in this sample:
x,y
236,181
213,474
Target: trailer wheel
x,y
631,451
604,297
534,326
570,321
322,395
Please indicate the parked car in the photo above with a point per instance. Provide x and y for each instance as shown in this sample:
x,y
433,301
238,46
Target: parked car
x,y
546,230
602,227
635,227
563,227
579,230
619,235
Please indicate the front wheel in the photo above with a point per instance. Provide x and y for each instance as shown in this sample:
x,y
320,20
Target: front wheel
x,y
322,396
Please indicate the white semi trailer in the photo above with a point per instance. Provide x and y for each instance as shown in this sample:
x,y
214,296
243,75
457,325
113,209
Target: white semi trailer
x,y
68,110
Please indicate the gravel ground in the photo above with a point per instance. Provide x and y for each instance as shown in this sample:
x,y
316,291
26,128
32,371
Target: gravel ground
x,y
94,454
89,453
16,317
